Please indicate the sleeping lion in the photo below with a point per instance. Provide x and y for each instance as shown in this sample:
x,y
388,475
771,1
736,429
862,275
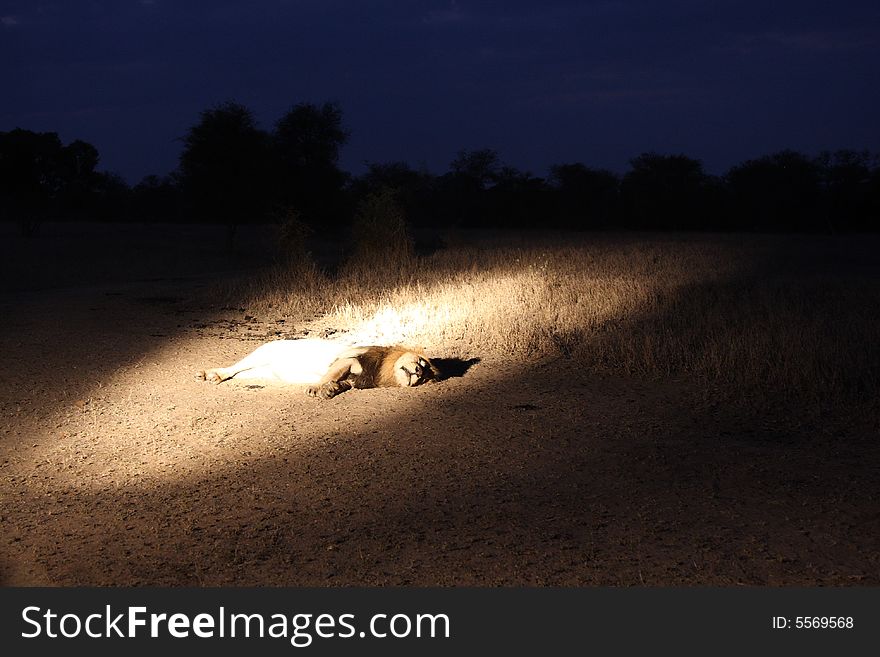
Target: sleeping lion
x,y
328,368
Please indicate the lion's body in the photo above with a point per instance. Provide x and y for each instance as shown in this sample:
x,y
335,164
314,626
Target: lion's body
x,y
299,362
328,367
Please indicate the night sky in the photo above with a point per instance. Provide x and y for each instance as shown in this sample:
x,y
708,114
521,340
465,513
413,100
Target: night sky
x,y
540,82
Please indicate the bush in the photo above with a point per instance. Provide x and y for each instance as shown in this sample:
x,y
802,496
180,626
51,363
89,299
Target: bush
x,y
380,235
293,233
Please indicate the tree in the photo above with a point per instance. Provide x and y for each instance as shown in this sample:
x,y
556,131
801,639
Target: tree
x,y
40,177
306,144
479,168
667,191
109,198
414,190
517,199
846,182
872,201
462,190
157,198
777,192
395,175
586,197
80,182
309,135
28,176
224,167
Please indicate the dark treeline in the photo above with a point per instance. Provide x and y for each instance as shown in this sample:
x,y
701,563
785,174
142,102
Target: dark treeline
x,y
233,172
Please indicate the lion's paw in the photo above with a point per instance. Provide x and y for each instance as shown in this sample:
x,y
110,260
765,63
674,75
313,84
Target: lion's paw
x,y
327,390
211,376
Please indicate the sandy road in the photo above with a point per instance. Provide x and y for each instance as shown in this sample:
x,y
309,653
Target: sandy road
x,y
118,468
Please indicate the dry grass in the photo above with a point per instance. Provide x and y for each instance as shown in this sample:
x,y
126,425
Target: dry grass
x,y
791,315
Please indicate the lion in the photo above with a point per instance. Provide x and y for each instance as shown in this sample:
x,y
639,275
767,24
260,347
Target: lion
x,y
329,368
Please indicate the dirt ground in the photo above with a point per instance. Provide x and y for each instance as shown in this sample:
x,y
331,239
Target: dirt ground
x,y
119,468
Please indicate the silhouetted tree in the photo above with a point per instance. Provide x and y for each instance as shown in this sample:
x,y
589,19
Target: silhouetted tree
x,y
158,198
30,176
394,175
40,178
462,190
873,197
224,167
479,167
846,180
80,182
517,199
414,191
667,192
306,144
79,160
777,192
585,197
111,197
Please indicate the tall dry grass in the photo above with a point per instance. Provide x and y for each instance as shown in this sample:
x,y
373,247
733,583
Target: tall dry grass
x,y
797,316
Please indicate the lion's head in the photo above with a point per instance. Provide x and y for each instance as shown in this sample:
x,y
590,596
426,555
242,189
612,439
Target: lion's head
x,y
412,369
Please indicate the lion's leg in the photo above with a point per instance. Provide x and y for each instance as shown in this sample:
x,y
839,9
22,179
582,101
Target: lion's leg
x,y
256,359
335,381
217,374
330,389
221,374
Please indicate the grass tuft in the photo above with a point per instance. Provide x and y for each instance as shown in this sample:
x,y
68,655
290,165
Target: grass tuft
x,y
796,316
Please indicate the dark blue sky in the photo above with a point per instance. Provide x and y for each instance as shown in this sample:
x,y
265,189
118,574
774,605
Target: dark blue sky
x,y
541,82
